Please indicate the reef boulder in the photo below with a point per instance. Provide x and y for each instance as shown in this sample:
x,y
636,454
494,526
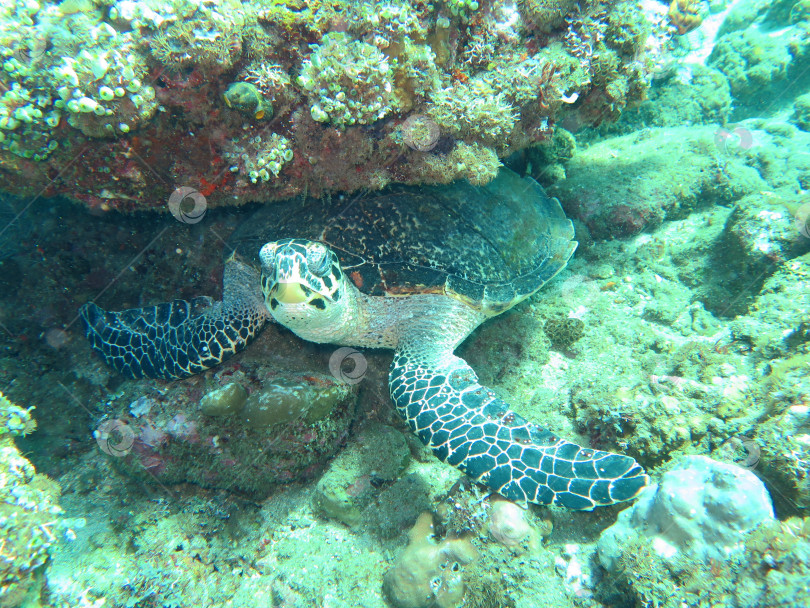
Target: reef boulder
x,y
701,507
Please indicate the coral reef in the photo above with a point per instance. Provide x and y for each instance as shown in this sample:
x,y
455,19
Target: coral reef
x,y
428,573
769,570
378,457
268,100
508,524
294,423
347,81
701,508
29,516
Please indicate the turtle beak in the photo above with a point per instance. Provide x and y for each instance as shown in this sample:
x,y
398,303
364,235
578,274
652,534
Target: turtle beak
x,y
290,293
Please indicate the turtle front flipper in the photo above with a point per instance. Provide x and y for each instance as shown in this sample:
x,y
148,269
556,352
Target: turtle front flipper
x,y
180,338
467,426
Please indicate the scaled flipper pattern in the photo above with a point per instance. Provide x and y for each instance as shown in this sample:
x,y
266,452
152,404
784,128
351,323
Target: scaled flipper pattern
x,y
467,426
180,338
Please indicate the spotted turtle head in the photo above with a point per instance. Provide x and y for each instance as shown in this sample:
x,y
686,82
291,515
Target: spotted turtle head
x,y
305,289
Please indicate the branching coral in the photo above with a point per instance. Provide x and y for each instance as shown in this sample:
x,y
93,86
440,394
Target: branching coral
x,y
271,80
187,43
473,162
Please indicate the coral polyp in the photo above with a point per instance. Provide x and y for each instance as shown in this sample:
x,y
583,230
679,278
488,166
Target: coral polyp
x,y
347,81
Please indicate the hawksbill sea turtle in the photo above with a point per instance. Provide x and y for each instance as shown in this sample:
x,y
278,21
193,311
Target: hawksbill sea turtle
x,y
410,269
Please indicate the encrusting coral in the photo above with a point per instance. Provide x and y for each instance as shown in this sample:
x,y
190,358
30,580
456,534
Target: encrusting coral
x,y
324,86
428,574
29,515
509,526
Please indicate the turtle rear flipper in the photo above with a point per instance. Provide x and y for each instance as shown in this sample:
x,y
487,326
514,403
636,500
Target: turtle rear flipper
x,y
180,338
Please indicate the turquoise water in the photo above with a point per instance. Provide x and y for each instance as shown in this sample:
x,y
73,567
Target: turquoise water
x,y
149,149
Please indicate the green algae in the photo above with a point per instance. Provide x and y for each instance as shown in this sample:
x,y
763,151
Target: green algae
x,y
224,401
281,402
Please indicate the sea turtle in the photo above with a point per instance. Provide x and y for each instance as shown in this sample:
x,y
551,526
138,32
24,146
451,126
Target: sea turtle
x,y
412,269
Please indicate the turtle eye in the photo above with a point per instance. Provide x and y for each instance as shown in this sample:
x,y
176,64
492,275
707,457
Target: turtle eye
x,y
267,256
318,260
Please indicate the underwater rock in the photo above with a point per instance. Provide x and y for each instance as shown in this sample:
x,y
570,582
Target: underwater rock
x,y
701,508
624,185
776,324
428,574
226,400
379,454
285,431
283,401
509,525
756,64
760,232
784,444
30,519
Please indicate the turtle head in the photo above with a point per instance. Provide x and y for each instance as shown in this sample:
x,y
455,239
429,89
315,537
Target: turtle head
x,y
305,289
